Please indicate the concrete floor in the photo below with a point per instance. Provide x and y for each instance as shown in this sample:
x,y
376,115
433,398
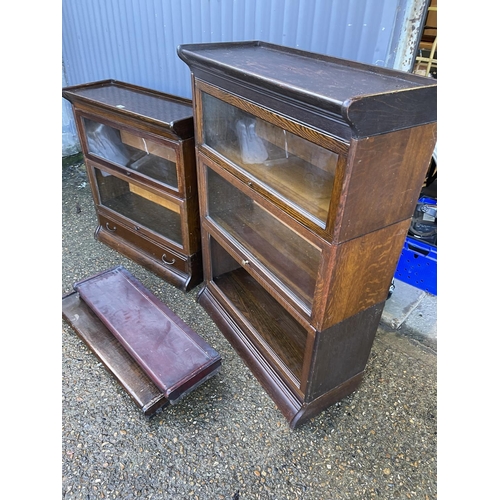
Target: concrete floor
x,y
412,312
227,440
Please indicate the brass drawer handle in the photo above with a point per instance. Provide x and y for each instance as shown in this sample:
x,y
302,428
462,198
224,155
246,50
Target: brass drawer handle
x,y
113,229
168,262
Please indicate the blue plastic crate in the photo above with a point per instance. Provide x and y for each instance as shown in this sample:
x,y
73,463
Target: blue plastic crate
x,y
417,265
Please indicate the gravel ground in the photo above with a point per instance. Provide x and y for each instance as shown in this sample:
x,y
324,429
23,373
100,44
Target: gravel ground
x,y
227,440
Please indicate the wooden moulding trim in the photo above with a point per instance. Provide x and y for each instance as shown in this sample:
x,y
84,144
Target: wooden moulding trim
x,y
186,388
133,122
181,128
72,91
187,163
323,402
378,114
287,402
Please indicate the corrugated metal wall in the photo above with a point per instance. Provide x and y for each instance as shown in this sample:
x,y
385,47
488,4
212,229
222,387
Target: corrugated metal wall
x,y
136,40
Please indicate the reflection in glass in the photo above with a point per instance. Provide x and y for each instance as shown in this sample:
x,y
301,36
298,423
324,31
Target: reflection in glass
x,y
126,149
286,164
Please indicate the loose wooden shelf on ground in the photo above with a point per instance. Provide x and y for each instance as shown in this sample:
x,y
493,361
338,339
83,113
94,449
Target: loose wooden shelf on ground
x,y
154,355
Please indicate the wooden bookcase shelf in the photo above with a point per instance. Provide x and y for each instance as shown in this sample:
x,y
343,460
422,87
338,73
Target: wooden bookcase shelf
x,y
138,147
309,170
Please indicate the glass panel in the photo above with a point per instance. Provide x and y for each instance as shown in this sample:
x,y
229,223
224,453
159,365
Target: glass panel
x,y
140,205
276,327
290,166
293,260
145,156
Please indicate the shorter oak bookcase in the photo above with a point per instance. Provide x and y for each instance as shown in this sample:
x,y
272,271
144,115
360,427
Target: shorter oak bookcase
x,y
138,148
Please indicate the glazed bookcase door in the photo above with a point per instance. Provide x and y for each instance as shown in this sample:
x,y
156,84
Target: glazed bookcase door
x,y
278,157
141,153
141,206
291,260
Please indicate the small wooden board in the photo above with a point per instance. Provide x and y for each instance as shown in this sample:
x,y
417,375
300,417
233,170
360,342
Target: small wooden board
x,y
155,355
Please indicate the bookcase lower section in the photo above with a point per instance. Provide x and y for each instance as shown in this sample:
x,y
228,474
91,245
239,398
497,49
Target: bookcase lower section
x,y
184,274
334,374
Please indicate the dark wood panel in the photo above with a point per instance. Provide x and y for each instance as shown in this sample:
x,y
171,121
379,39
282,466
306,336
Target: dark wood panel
x,y
379,114
341,352
188,160
322,402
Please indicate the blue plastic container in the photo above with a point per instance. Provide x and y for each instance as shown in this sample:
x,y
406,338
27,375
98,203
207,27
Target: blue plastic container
x,y
417,265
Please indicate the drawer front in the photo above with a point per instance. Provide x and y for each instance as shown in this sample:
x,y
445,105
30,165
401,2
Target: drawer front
x,y
163,255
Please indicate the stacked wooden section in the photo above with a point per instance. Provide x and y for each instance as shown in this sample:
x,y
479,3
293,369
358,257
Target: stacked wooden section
x,y
138,148
309,170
